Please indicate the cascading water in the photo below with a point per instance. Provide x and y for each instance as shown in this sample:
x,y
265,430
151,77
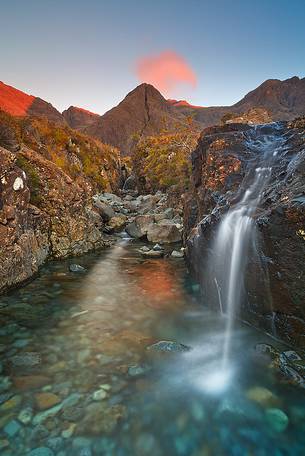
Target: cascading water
x,y
236,234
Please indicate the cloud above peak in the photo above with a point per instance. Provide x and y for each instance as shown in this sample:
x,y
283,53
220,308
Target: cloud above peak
x,y
165,71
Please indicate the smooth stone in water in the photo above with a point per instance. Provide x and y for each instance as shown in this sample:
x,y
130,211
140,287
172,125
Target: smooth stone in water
x,y
55,443
12,428
99,395
262,396
169,346
135,371
26,415
277,419
41,451
76,268
177,254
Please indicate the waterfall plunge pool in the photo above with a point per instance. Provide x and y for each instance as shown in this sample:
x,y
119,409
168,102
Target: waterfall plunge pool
x,y
77,379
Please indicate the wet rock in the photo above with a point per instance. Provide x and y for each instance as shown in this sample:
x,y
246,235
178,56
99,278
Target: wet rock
x,y
168,346
5,383
46,400
262,396
139,227
105,210
5,397
55,443
25,416
27,359
277,419
144,249
39,432
10,404
111,197
41,451
138,370
239,408
73,414
153,254
163,233
100,419
12,428
99,395
157,247
266,349
4,444
177,254
117,223
70,401
146,445
69,431
28,382
76,268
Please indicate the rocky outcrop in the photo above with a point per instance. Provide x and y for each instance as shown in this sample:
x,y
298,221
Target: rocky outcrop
x,y
144,111
46,211
275,285
79,118
254,116
18,103
284,100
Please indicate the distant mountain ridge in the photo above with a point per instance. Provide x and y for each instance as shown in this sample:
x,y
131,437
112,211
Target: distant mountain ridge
x,y
144,111
79,118
18,103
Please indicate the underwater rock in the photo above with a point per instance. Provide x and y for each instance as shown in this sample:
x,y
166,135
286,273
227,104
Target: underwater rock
x,y
168,346
12,428
99,395
262,396
25,416
41,451
153,254
277,419
177,254
137,370
46,400
76,268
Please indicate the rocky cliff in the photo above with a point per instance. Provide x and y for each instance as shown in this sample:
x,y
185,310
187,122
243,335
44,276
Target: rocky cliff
x,y
274,285
18,103
143,111
48,175
79,118
284,100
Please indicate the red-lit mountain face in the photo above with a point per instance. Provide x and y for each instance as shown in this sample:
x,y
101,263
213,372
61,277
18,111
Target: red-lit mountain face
x,y
18,103
79,118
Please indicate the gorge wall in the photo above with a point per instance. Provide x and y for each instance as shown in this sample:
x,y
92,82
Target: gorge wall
x,y
274,286
48,175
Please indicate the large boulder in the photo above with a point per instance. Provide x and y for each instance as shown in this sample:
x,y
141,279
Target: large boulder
x,y
164,233
104,209
139,227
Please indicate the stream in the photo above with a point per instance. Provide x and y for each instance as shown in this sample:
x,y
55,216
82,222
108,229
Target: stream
x,y
77,378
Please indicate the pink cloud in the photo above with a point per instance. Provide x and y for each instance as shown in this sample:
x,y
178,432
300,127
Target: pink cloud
x,y
165,71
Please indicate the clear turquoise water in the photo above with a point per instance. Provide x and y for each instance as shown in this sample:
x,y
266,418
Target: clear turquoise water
x,y
78,334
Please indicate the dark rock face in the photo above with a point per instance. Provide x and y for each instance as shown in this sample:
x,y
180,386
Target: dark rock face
x,y
275,288
79,118
44,212
143,111
284,100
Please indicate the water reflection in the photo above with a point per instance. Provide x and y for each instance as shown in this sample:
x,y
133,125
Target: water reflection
x,y
77,379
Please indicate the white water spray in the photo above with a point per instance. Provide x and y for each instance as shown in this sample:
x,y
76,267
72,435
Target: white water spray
x,y
236,234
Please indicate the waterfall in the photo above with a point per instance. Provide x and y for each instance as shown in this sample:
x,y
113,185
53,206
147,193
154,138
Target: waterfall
x,y
236,233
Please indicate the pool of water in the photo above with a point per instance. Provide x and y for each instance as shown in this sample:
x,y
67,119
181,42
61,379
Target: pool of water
x,y
77,378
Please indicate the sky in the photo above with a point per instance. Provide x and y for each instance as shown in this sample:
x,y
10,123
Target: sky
x,y
92,53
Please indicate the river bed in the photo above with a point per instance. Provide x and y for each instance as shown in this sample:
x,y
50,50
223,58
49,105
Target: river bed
x,y
77,378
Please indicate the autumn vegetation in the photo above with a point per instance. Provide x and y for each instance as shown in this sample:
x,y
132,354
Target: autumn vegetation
x,y
163,160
